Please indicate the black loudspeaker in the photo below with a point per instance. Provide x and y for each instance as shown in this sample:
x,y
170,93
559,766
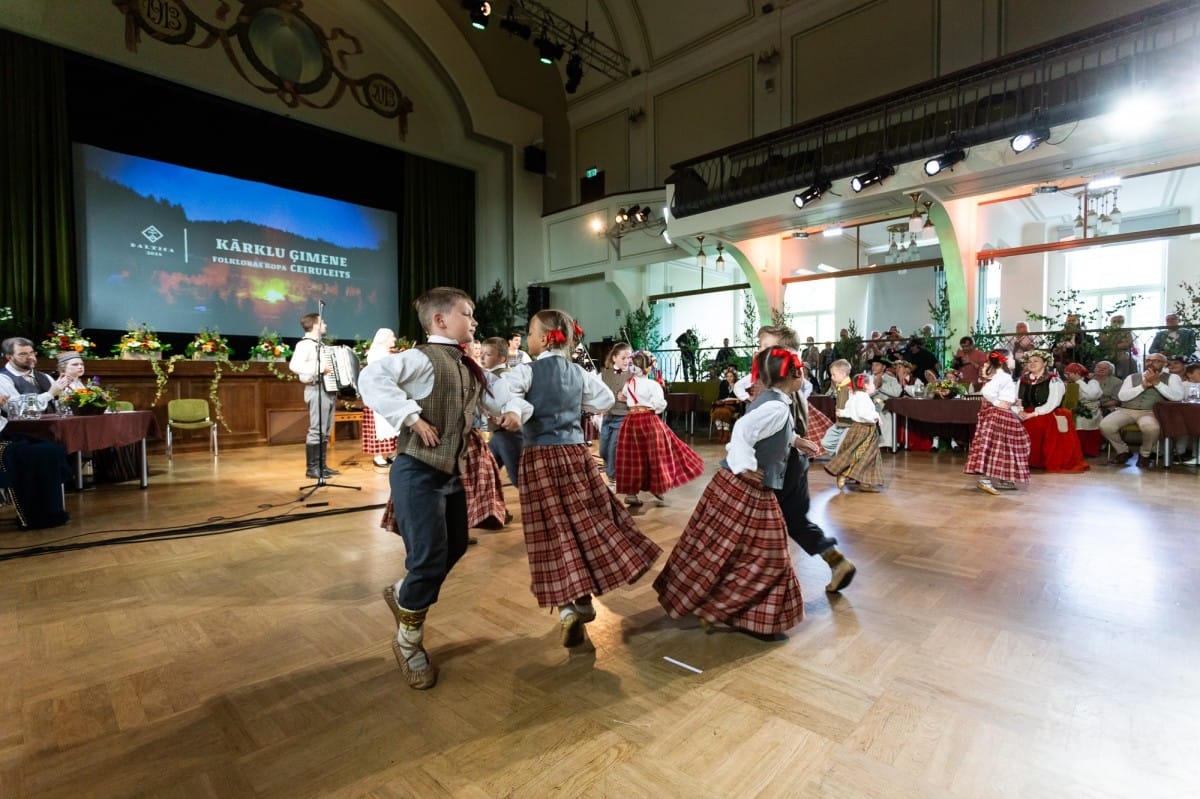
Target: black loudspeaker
x,y
537,298
592,189
535,159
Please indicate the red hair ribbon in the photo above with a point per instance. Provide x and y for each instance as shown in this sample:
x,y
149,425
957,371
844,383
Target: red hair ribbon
x,y
555,337
578,330
789,361
860,382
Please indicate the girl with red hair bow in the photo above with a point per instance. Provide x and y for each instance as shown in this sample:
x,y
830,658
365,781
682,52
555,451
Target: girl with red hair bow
x,y
650,457
580,539
731,564
857,456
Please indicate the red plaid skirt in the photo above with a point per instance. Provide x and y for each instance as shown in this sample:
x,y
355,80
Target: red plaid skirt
x,y
579,537
858,455
652,458
481,483
1052,450
1000,447
818,423
731,564
370,444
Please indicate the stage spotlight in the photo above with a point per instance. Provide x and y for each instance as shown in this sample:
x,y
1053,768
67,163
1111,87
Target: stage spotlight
x,y
812,193
548,51
1027,140
515,27
479,13
640,215
943,161
621,217
876,175
574,73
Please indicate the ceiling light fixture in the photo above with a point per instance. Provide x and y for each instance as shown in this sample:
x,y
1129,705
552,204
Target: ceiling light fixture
x,y
548,51
878,174
812,193
701,258
915,222
479,13
720,257
944,161
1029,139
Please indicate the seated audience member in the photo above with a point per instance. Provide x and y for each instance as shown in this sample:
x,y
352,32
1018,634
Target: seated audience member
x,y
968,361
885,387
1074,345
1176,364
1138,395
1087,409
1053,444
72,367
20,376
1116,343
1191,392
1174,340
725,355
1021,343
907,436
1110,384
924,362
839,387
33,472
727,407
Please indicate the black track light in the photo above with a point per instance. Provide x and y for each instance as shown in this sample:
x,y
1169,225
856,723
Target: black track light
x,y
515,27
548,51
479,13
870,178
574,73
640,215
812,193
1028,139
621,217
943,161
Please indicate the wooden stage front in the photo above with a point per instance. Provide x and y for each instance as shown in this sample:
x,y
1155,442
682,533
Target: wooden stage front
x,y
1042,643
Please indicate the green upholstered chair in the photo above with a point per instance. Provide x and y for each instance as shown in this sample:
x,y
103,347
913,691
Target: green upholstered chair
x,y
189,414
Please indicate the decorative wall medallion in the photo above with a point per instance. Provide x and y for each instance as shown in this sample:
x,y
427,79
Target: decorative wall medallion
x,y
275,42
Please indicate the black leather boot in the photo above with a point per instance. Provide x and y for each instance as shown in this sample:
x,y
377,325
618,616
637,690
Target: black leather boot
x,y
312,456
325,470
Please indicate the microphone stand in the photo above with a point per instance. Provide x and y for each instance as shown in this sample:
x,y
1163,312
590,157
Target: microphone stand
x,y
319,385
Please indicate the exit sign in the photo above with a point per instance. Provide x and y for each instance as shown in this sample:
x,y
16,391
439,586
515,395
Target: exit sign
x,y
591,172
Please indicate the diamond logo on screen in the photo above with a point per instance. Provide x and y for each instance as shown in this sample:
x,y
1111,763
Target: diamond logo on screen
x,y
152,234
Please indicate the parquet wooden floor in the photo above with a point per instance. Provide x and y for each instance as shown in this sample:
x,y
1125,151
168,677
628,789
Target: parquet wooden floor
x,y
1038,644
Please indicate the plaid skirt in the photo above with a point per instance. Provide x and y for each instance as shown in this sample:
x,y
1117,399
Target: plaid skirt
x,y
652,458
1000,447
1051,450
857,457
731,564
370,444
818,423
481,484
579,537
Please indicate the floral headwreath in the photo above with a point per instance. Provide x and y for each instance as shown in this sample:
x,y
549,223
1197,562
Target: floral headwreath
x,y
1045,356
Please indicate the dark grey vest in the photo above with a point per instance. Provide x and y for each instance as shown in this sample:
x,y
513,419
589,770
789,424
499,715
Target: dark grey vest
x,y
772,451
556,394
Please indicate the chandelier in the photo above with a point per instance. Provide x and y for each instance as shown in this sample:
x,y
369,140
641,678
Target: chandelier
x,y
1099,214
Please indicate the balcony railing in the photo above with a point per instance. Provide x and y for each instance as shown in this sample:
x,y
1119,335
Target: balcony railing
x,y
1063,81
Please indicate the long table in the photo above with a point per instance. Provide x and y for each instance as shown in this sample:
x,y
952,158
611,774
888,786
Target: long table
x,y
1175,420
964,412
79,434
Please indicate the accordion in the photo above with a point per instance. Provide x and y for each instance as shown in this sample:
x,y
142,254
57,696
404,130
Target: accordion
x,y
342,376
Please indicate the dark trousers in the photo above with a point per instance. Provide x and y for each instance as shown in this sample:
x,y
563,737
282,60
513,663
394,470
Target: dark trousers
x,y
794,502
610,429
507,447
34,471
431,509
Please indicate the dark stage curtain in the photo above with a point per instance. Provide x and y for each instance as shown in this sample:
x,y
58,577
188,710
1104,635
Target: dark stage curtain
x,y
37,276
437,234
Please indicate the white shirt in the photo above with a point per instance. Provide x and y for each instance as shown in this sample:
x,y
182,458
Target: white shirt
x,y
1054,400
597,397
764,421
393,385
1089,390
1169,386
741,389
860,408
1001,388
8,388
305,362
648,393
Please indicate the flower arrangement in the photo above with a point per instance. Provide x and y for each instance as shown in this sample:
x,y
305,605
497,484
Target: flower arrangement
x,y
208,344
91,398
270,347
947,387
140,340
64,337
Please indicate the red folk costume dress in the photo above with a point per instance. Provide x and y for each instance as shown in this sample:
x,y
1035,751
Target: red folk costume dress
x,y
731,564
1053,444
579,537
650,457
